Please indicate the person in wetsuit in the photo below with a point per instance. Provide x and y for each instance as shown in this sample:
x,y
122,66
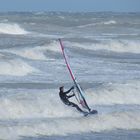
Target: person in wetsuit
x,y
65,98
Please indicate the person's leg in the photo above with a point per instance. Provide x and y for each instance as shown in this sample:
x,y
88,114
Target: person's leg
x,y
76,106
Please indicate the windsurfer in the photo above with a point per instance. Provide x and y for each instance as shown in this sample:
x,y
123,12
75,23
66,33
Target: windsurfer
x,y
65,98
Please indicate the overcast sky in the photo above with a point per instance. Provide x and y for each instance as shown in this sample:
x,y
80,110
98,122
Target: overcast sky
x,y
70,5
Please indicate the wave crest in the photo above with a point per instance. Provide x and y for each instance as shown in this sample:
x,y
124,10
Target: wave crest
x,y
15,67
125,94
110,22
35,53
13,28
122,46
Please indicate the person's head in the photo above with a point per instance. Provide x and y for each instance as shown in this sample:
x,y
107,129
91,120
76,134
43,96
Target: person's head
x,y
61,88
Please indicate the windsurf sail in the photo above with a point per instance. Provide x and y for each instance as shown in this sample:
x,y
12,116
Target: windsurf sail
x,y
80,92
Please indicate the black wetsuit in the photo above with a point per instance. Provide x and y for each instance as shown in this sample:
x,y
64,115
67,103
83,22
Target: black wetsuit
x,y
64,97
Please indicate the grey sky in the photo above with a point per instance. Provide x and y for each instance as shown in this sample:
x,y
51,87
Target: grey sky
x,y
70,5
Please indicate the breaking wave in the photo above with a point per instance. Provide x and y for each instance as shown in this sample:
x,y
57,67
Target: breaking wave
x,y
99,23
43,103
72,125
110,22
35,53
115,46
31,114
15,67
126,94
13,28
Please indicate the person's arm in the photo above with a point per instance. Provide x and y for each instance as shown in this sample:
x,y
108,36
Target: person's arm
x,y
71,95
66,92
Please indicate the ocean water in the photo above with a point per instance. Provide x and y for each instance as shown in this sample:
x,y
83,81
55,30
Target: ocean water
x,y
104,53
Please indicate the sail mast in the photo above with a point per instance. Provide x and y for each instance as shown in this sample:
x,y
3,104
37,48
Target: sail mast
x,y
73,77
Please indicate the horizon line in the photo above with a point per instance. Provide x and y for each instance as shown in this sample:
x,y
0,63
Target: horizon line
x,y
62,11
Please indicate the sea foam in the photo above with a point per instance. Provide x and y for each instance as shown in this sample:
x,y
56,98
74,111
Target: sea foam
x,y
123,94
121,46
12,28
15,67
35,53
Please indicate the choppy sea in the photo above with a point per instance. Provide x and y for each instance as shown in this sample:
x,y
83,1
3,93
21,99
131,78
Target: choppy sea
x,y
104,53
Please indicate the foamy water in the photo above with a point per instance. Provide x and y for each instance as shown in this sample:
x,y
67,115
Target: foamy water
x,y
103,50
15,68
99,23
13,28
111,45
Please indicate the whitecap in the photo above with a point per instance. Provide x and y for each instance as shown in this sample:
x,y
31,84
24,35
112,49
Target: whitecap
x,y
12,28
